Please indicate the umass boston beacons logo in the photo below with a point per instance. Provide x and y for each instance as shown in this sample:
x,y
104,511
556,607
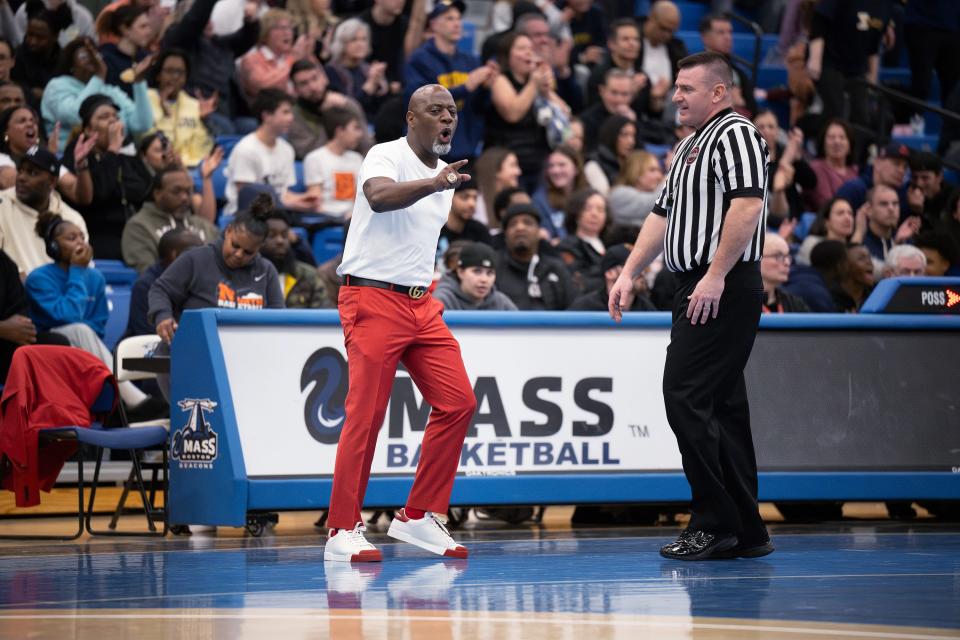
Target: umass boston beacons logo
x,y
195,444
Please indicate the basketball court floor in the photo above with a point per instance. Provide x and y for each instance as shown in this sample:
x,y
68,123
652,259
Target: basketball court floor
x,y
850,579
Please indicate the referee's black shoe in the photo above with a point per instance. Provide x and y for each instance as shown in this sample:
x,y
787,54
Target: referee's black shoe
x,y
698,545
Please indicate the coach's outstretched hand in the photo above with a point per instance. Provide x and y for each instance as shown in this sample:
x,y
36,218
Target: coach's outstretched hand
x,y
443,181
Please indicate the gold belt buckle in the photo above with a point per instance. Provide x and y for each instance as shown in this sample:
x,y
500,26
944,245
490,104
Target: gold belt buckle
x,y
416,292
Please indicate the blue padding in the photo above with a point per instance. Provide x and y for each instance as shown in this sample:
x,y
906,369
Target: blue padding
x,y
116,272
651,320
583,488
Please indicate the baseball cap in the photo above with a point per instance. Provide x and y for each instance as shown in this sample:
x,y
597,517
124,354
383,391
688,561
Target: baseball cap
x,y
40,157
442,6
615,256
896,151
477,254
519,209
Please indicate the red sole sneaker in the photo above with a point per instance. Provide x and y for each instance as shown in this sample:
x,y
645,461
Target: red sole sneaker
x,y
459,552
367,556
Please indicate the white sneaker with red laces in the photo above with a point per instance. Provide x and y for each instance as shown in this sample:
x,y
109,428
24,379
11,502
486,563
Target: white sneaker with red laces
x,y
427,533
349,545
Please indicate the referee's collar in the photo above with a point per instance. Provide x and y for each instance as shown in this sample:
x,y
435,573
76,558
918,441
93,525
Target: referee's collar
x,y
716,116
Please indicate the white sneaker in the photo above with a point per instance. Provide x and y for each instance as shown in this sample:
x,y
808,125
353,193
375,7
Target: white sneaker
x,y
349,545
427,533
430,583
349,579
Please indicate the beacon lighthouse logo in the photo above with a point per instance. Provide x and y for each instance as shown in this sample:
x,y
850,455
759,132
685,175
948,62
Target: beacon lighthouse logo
x,y
195,444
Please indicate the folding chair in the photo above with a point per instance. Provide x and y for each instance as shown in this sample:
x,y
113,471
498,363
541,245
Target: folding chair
x,y
101,437
137,347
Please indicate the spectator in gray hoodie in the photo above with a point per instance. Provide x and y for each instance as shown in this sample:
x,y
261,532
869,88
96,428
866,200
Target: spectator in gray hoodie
x,y
470,287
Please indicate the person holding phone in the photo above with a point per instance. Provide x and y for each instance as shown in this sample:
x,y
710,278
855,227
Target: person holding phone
x,y
176,114
524,85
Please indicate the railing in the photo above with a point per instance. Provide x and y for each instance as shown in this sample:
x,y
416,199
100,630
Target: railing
x,y
752,65
883,125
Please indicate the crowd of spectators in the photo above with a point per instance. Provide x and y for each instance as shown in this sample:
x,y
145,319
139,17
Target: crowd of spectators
x,y
115,130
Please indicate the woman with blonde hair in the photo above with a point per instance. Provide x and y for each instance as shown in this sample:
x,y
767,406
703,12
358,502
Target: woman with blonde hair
x,y
348,69
636,188
267,66
496,169
315,19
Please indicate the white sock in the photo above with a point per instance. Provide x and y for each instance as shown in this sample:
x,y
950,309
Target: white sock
x,y
130,394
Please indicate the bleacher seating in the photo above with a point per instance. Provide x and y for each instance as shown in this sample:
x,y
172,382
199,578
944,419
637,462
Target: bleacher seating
x,y
743,43
115,272
327,243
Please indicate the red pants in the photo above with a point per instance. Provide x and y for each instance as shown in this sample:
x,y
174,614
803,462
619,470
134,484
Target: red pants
x,y
381,329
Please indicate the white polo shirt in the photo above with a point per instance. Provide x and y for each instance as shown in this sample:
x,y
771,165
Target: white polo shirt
x,y
395,246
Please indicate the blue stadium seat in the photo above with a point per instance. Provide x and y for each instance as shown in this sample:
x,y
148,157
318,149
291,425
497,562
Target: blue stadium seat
x,y
301,233
659,150
922,143
743,43
327,243
299,187
115,272
690,15
768,76
228,143
219,181
690,39
468,41
118,302
803,225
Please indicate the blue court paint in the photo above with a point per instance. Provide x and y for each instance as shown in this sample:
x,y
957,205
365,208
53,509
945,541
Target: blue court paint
x,y
861,576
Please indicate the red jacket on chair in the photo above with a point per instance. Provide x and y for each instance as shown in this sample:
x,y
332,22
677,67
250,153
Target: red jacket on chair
x,y
48,386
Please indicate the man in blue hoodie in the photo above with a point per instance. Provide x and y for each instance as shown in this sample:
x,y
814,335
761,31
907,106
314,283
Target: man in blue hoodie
x,y
439,61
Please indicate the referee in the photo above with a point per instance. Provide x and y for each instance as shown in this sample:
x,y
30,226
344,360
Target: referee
x,y
709,223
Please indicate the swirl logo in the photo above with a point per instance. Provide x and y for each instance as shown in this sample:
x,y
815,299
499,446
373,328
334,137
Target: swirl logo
x,y
323,411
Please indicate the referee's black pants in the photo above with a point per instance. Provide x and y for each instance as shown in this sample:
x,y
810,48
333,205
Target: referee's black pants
x,y
706,401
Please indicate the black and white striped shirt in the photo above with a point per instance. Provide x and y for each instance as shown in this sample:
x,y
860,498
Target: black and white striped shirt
x,y
727,158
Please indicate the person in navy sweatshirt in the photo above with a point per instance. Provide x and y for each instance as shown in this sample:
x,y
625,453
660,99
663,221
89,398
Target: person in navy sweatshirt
x,y
438,61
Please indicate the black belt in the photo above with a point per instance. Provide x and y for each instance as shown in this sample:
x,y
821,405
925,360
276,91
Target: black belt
x,y
415,292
